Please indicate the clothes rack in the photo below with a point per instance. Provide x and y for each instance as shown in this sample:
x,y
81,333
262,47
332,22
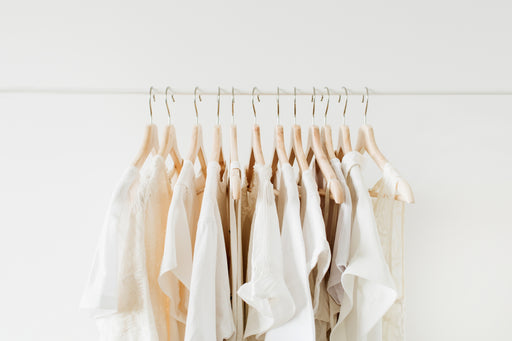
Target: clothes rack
x,y
241,92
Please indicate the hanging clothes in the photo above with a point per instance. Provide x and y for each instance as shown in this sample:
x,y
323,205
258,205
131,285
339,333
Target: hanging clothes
x,y
367,282
318,254
270,302
236,258
156,197
302,324
176,268
341,249
209,314
137,314
389,215
101,294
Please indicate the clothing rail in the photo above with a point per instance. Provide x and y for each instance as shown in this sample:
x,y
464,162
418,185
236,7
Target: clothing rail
x,y
240,92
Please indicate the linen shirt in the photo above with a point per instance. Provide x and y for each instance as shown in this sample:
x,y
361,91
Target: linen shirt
x,y
302,324
368,285
318,254
101,292
389,215
270,302
209,314
341,249
176,268
137,316
156,197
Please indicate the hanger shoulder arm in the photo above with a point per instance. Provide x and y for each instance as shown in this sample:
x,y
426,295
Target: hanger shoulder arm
x,y
257,148
345,144
217,144
174,151
327,139
405,193
360,141
370,145
149,143
326,168
297,151
235,176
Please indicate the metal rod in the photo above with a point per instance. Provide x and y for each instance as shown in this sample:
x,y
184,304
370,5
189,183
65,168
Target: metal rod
x,y
283,92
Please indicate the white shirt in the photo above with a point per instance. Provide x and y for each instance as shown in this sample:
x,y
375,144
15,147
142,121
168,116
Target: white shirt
x,y
270,302
389,216
341,249
101,293
209,314
318,254
176,268
302,324
135,317
367,282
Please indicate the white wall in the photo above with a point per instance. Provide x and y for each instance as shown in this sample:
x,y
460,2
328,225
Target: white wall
x,y
62,154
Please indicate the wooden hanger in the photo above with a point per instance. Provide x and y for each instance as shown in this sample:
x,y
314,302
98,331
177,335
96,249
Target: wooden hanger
x,y
316,148
150,140
170,144
279,154
344,143
217,153
235,177
326,131
297,150
196,146
256,149
366,141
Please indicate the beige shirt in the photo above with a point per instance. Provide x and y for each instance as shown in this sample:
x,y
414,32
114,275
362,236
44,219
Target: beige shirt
x,y
389,214
156,197
176,268
141,311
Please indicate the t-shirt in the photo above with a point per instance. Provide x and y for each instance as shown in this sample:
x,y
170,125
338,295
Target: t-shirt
x,y
318,254
302,324
180,236
389,214
341,249
209,314
368,285
156,195
101,292
270,302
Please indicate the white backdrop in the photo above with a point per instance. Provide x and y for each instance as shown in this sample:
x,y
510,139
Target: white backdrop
x,y
62,154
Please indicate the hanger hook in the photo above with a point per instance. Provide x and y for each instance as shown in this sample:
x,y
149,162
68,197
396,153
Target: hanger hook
x,y
277,101
167,90
258,98
218,104
294,105
232,105
196,90
366,106
346,102
313,99
152,98
327,105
